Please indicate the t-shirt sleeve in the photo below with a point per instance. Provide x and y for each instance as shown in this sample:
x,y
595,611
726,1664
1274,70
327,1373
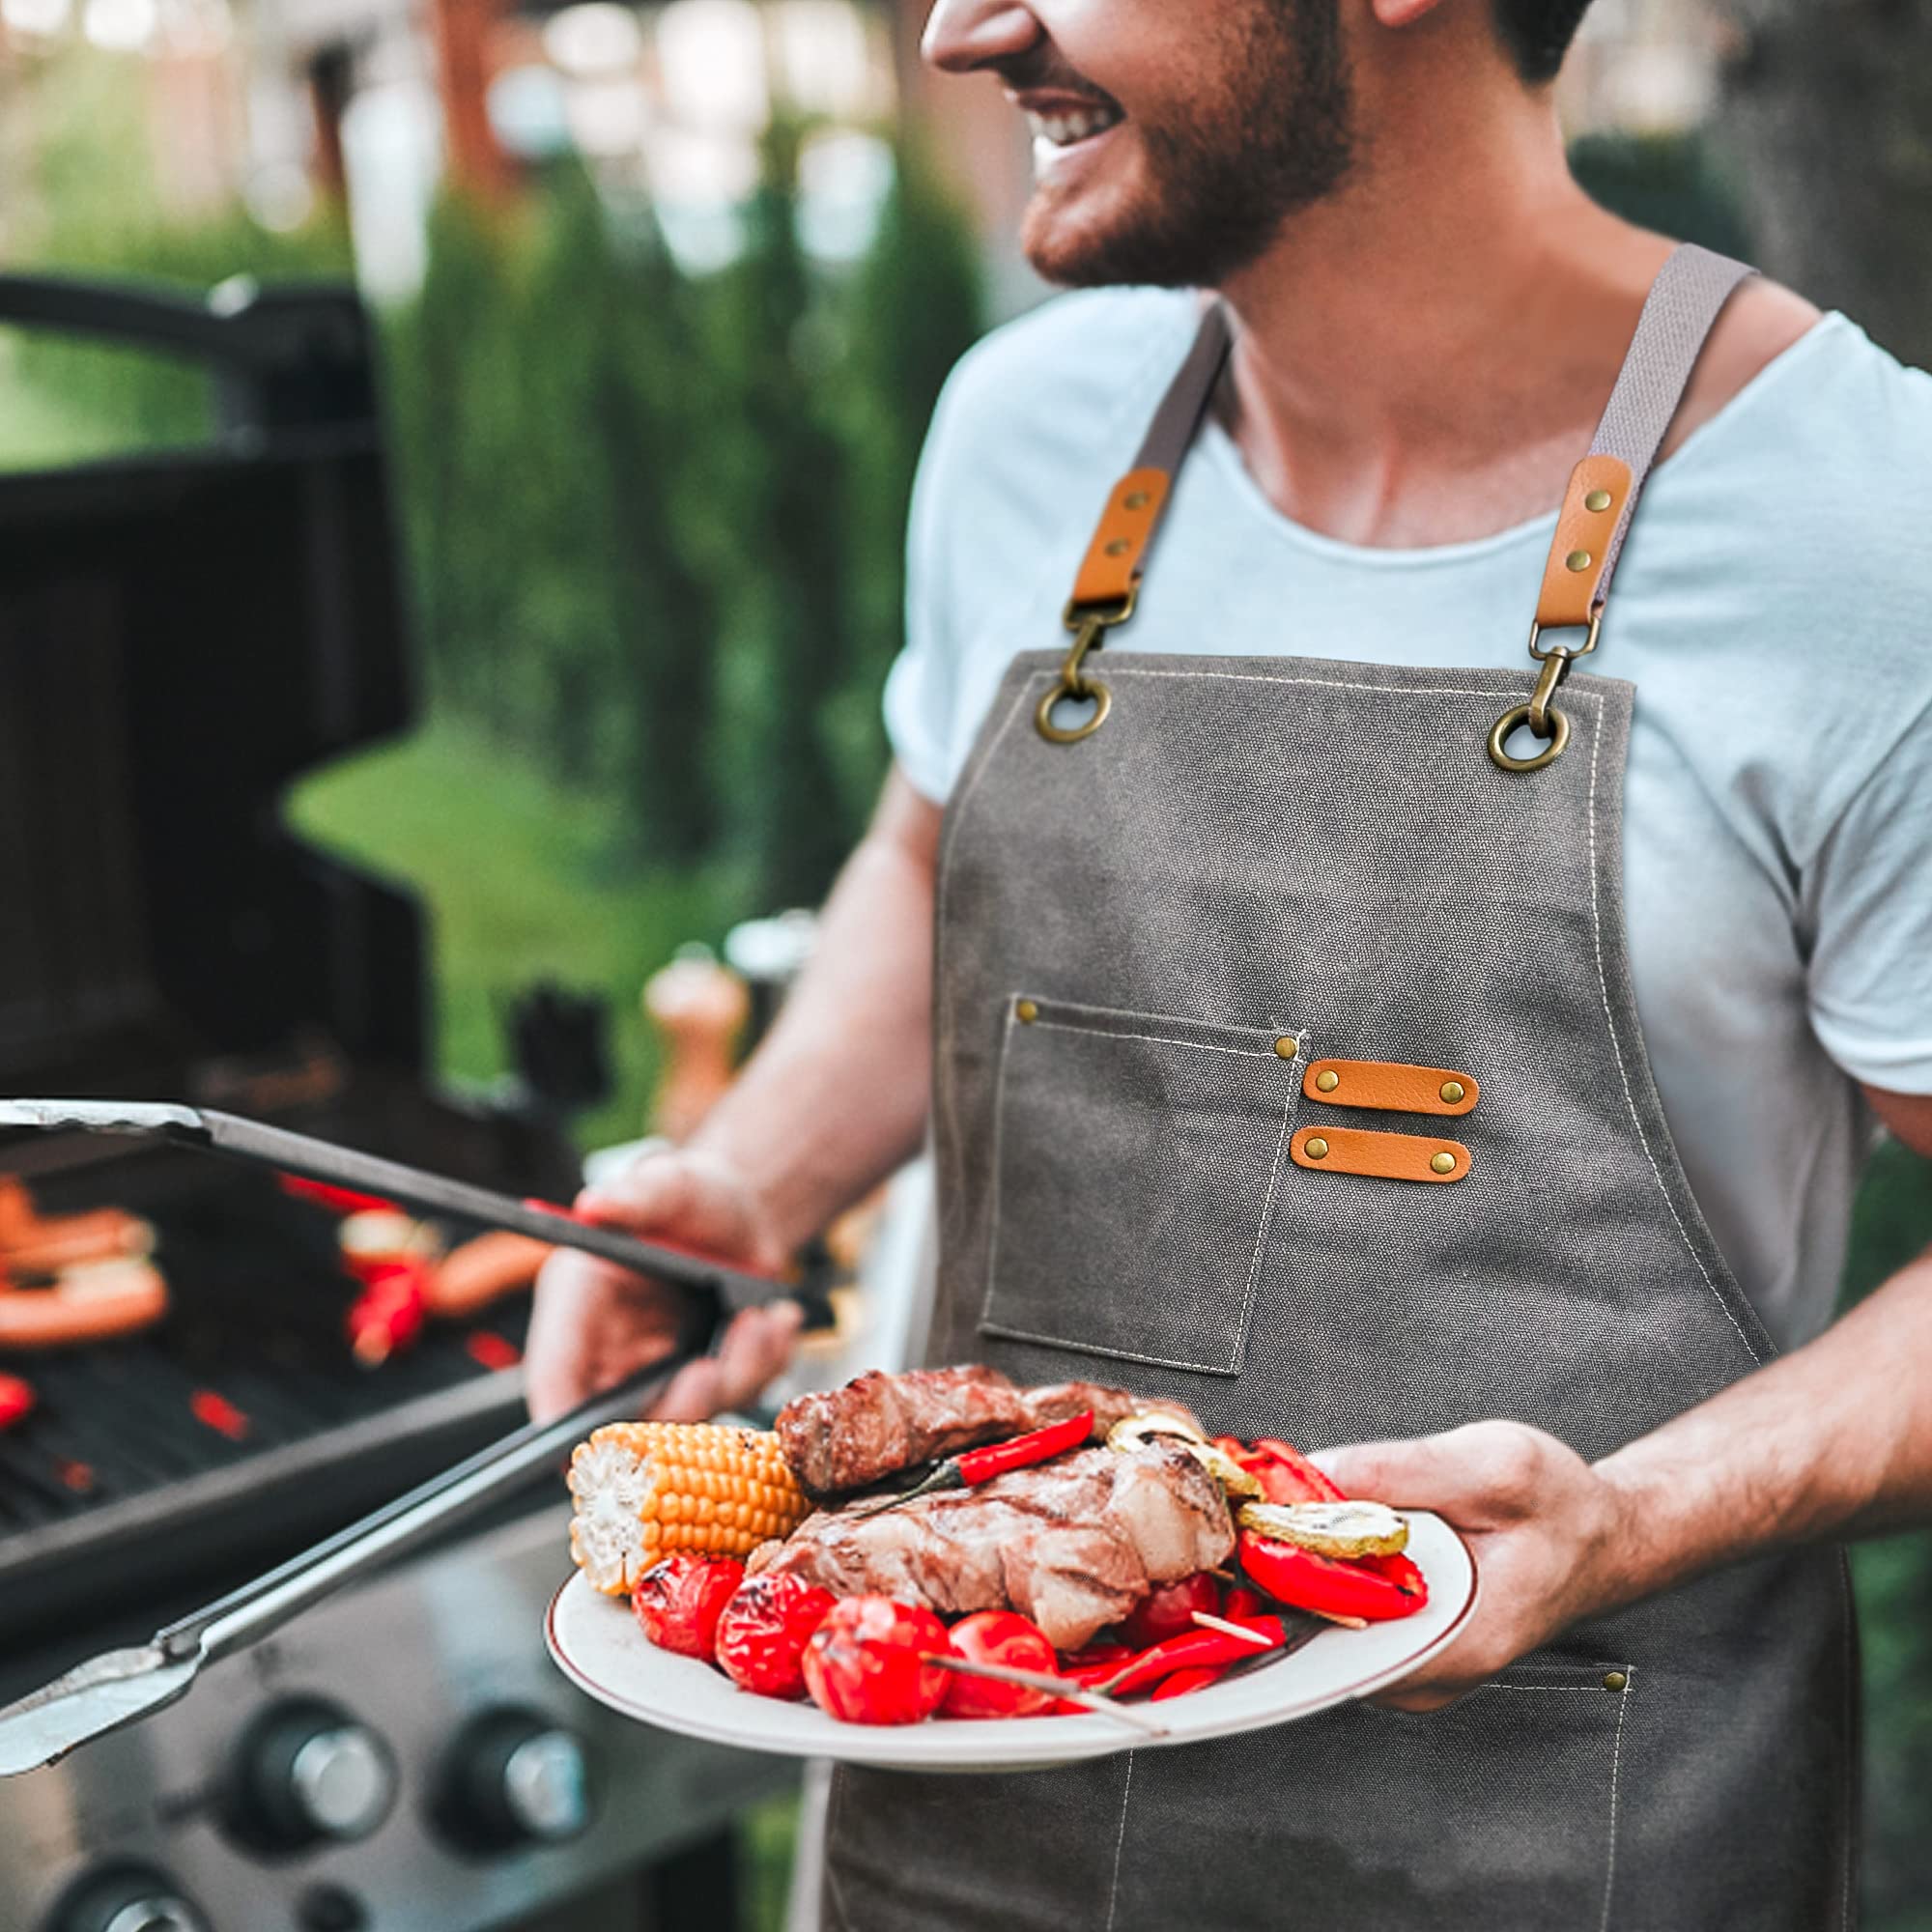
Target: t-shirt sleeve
x,y
921,689
1871,902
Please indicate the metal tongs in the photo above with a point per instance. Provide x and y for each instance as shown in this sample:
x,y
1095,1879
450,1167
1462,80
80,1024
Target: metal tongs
x,y
120,1687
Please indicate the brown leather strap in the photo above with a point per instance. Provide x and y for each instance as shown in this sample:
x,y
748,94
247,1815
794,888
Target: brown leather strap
x,y
1684,304
1111,568
1389,1087
1381,1156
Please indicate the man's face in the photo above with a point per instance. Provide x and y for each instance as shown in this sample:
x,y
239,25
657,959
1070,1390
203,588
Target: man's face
x,y
1170,137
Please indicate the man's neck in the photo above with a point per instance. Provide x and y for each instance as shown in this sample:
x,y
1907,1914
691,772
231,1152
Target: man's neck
x,y
1424,355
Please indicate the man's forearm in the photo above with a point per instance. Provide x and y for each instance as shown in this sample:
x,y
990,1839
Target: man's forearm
x,y
1833,1440
835,1097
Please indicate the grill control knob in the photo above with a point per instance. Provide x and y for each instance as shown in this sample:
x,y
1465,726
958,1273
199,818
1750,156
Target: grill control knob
x,y
308,1772
130,1898
515,1778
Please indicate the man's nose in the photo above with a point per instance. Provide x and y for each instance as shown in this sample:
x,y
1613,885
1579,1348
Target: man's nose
x,y
963,35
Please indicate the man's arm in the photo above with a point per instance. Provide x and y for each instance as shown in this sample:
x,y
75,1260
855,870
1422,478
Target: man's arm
x,y
831,1103
1834,1439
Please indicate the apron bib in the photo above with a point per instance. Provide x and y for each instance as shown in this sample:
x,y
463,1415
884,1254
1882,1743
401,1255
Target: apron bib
x,y
1177,895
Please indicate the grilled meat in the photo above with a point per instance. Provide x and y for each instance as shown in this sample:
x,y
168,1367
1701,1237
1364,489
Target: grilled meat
x,y
1073,1544
877,1424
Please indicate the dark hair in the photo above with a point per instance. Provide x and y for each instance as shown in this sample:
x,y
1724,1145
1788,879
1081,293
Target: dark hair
x,y
1538,34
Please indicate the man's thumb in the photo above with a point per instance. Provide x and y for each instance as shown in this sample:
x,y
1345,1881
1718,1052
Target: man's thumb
x,y
1424,1473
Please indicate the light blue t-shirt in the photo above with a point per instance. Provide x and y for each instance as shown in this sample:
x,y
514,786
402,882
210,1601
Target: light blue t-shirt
x,y
1771,609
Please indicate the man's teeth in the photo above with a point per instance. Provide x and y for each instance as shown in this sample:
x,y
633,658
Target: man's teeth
x,y
1080,125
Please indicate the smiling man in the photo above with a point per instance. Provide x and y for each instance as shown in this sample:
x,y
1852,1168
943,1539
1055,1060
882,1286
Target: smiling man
x,y
1361,1027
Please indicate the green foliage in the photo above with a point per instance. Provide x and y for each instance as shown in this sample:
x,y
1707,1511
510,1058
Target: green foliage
x,y
1665,181
516,876
1893,1226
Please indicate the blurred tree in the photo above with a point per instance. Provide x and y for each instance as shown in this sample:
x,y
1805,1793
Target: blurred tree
x,y
1665,181
784,494
916,306
1828,111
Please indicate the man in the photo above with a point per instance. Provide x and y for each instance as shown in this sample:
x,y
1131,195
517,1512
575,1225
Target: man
x,y
1258,833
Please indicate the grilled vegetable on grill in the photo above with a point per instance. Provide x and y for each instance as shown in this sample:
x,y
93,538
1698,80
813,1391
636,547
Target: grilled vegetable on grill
x,y
645,1489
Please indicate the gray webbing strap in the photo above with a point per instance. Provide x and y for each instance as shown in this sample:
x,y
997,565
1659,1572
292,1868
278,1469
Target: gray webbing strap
x,y
1178,421
1684,304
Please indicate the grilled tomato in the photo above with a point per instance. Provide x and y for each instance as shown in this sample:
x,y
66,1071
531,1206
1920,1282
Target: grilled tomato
x,y
1006,1637
679,1601
762,1634
869,1662
1168,1610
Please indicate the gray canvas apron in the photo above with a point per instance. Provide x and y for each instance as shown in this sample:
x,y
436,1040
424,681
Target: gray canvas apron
x,y
1253,850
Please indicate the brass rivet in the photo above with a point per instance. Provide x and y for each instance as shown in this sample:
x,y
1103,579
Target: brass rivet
x,y
1288,1048
1135,499
1614,1680
1328,1082
1317,1149
1453,1091
1444,1163
1597,500
1579,560
1120,547
1027,1011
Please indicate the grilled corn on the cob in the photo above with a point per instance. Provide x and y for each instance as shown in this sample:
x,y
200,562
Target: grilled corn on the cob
x,y
644,1489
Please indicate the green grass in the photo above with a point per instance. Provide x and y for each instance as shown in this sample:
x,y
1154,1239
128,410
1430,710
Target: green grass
x,y
519,885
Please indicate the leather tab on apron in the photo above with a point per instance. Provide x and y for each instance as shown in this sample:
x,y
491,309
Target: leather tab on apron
x,y
1599,487
1383,1157
1389,1086
1113,562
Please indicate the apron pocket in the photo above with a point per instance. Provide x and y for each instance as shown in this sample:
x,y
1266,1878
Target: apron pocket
x,y
1498,1814
1136,1169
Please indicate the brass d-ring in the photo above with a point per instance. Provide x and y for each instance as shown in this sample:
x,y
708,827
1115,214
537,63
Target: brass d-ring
x,y
1071,734
1500,730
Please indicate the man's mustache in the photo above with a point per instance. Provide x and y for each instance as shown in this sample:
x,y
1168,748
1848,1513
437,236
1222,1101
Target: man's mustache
x,y
1043,69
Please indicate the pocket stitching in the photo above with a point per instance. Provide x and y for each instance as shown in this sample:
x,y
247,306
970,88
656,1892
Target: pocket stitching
x,y
989,1326
1152,1038
1616,1764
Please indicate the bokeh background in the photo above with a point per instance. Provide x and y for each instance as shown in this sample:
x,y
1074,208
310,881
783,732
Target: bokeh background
x,y
666,293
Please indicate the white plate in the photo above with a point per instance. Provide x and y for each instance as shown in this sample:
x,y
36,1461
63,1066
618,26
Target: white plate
x,y
597,1644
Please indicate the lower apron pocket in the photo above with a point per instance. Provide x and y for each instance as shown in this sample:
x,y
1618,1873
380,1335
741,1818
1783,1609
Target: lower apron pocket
x,y
1498,1814
1137,1165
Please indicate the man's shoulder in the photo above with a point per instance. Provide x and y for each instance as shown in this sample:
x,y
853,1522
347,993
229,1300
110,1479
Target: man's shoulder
x,y
1070,383
1830,444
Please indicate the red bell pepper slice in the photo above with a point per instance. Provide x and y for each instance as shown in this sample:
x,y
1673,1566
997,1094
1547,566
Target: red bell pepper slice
x,y
1184,1681
16,1401
1203,1648
1280,1466
1331,1585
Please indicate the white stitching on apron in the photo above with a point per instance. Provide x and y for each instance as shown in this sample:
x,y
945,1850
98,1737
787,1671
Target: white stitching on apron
x,y
942,1018
1153,1038
1623,1070
1616,1761
1262,1233
1119,1842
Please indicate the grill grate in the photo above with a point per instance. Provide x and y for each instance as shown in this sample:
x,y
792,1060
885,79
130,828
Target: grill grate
x,y
252,1358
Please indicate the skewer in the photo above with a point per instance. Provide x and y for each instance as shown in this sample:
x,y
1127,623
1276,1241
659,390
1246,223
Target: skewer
x,y
1336,1617
1056,1686
1221,1624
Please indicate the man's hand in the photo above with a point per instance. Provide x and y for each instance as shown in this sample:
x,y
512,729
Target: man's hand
x,y
1546,1527
595,1323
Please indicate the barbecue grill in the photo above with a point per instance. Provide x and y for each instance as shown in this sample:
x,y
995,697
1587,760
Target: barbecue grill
x,y
181,637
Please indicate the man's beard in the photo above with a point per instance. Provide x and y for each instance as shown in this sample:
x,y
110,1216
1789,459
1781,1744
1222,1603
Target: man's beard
x,y
1278,136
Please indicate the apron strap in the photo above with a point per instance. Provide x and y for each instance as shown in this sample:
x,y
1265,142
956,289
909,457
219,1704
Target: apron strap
x,y
1684,302
1683,305
1111,573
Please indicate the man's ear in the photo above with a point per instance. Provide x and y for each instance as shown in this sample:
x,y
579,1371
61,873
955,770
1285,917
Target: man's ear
x,y
1393,14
